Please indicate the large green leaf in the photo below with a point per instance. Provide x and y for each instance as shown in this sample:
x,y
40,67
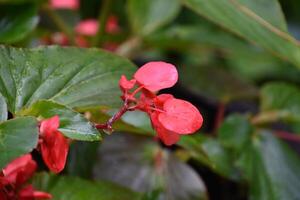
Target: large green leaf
x,y
280,100
3,109
156,170
17,21
148,15
72,124
73,188
17,137
271,168
71,76
259,21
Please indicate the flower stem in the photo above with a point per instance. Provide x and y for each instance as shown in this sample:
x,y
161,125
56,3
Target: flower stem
x,y
102,20
108,125
59,22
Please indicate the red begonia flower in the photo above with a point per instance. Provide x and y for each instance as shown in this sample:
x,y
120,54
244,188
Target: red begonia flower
x,y
64,4
170,117
54,146
87,27
180,116
166,136
155,76
14,176
126,84
19,170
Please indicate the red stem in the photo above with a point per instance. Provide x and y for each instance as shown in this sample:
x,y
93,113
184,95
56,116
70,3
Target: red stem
x,y
219,116
287,136
114,118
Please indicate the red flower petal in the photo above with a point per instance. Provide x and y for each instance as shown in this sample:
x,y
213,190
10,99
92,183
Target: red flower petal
x,y
167,137
28,193
87,27
126,84
20,170
155,76
49,125
180,117
54,146
54,150
161,99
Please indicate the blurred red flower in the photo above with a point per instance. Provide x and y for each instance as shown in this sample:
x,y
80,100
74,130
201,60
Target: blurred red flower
x,y
13,180
64,4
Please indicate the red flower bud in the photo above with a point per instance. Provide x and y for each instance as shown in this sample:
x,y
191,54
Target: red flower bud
x,y
126,84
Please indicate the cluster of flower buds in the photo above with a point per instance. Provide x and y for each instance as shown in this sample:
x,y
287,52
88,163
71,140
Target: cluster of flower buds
x,y
170,117
13,180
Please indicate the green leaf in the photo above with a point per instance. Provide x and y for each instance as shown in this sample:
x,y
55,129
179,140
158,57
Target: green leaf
x,y
72,124
74,77
235,132
82,166
17,21
140,155
271,168
73,188
149,15
259,21
225,87
209,152
281,99
3,109
17,137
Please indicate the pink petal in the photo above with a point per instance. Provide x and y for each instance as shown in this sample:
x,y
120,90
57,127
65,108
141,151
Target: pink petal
x,y
167,137
64,4
180,117
160,100
87,27
155,76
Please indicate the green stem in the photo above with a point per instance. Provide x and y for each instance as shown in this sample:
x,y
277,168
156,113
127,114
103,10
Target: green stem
x,y
102,20
129,47
59,22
